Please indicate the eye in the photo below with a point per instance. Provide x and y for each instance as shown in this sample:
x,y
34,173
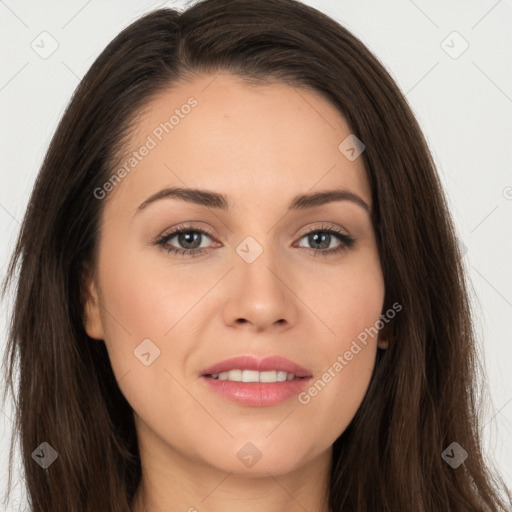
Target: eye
x,y
190,238
323,237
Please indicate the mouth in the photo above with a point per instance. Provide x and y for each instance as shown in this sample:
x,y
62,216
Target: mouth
x,y
249,368
256,382
239,375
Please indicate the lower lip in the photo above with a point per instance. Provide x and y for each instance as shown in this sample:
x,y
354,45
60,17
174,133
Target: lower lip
x,y
257,394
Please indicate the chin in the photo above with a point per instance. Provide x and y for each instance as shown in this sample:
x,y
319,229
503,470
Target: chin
x,y
254,460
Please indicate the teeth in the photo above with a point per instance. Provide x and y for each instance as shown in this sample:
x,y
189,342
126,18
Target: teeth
x,y
253,376
282,376
247,375
270,376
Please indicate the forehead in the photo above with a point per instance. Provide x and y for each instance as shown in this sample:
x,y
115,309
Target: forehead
x,y
263,143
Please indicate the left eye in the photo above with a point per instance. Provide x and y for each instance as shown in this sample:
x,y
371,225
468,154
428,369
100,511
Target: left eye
x,y
190,240
188,237
325,236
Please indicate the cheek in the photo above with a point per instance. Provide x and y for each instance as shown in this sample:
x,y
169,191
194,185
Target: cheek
x,y
350,306
141,299
135,308
144,316
341,383
348,301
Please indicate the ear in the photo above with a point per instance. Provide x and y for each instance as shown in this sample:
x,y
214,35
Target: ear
x,y
383,344
92,318
383,339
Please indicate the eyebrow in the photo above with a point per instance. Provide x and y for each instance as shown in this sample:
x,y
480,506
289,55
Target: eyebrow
x,y
220,201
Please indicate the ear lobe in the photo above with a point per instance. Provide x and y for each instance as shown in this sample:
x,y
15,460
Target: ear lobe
x,y
383,344
92,318
383,338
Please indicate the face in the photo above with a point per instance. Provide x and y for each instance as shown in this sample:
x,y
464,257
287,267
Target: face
x,y
251,277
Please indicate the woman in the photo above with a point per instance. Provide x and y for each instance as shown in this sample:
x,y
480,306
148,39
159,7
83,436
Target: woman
x,y
252,369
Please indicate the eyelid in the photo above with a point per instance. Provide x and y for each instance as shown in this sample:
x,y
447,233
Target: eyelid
x,y
209,232
185,227
324,227
346,240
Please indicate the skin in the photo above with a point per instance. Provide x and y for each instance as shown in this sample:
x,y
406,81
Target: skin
x,y
260,146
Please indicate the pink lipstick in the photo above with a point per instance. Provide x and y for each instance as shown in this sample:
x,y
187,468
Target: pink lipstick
x,y
256,382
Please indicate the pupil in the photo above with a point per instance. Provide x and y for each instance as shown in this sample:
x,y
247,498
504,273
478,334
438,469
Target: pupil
x,y
314,236
183,239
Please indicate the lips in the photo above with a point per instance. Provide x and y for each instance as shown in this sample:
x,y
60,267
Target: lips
x,y
264,390
248,362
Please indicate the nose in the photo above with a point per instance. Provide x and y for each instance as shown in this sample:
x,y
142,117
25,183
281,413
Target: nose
x,y
260,295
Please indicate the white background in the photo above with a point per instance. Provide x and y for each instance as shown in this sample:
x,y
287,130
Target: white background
x,y
463,104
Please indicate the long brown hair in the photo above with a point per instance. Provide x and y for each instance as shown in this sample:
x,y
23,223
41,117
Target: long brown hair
x,y
422,396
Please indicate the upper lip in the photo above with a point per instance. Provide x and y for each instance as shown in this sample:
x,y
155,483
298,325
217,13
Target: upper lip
x,y
249,362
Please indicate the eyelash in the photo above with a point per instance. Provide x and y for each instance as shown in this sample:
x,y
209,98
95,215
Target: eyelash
x,y
347,241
